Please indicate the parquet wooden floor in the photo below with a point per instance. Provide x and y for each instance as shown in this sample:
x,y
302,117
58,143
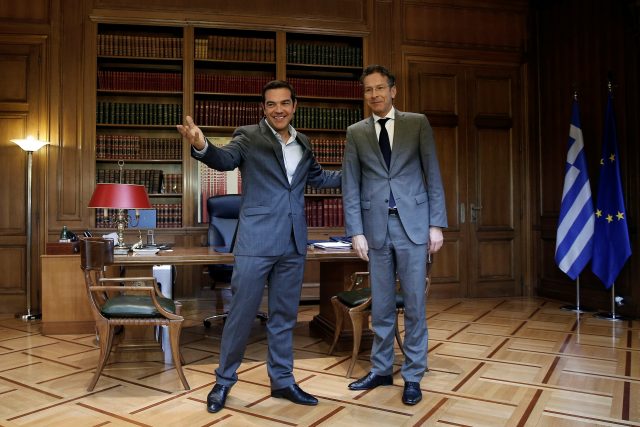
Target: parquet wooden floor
x,y
493,362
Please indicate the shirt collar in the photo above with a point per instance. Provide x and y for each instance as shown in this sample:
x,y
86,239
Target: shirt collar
x,y
292,132
390,115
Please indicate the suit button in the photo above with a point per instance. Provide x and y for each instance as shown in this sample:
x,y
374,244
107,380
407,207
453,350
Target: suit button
x,y
386,200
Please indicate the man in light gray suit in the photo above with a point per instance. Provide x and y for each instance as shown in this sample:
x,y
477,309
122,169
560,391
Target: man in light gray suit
x,y
394,210
276,163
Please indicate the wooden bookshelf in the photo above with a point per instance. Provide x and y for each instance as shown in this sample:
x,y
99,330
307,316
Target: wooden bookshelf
x,y
149,77
139,101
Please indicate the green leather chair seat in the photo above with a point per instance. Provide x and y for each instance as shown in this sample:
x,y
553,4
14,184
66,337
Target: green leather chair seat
x,y
135,306
357,296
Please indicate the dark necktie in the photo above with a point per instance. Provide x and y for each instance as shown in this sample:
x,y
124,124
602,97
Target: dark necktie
x,y
385,148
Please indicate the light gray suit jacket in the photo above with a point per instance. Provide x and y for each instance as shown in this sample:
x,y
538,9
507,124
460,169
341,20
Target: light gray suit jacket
x,y
414,176
271,208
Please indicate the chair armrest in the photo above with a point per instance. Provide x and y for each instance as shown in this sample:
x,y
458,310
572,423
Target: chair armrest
x,y
149,290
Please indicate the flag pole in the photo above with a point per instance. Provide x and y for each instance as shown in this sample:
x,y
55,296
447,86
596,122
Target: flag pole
x,y
612,315
576,308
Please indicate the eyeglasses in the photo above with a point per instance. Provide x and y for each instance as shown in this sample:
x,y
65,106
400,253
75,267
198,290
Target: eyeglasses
x,y
370,91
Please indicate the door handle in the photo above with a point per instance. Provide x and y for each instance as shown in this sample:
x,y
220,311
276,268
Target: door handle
x,y
462,213
475,212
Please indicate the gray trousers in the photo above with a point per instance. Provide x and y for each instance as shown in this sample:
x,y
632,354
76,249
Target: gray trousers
x,y
284,275
399,254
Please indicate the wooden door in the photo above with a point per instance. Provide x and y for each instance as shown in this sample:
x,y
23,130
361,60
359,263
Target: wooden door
x,y
476,118
21,103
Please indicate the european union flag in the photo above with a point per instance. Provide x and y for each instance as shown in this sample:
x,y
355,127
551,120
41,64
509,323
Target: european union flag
x,y
574,238
611,246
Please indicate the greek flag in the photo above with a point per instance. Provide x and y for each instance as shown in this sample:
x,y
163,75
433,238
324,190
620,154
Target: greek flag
x,y
574,239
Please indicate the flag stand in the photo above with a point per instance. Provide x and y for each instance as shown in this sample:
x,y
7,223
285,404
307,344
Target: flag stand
x,y
612,315
576,308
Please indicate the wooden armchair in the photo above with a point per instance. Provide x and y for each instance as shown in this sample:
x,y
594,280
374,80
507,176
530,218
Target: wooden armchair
x,y
125,301
356,303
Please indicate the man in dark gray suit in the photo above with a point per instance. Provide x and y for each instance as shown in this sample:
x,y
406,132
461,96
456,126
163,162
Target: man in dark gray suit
x,y
394,210
276,163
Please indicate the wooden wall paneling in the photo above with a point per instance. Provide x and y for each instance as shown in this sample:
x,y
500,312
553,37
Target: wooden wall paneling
x,y
482,25
29,13
71,153
341,16
22,95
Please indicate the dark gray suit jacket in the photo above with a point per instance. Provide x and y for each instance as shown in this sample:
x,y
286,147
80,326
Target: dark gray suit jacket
x,y
272,208
414,176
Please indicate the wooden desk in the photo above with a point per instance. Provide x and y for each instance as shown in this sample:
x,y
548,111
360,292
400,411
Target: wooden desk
x,y
65,309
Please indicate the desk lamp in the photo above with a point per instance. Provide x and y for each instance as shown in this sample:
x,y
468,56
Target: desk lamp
x,y
120,197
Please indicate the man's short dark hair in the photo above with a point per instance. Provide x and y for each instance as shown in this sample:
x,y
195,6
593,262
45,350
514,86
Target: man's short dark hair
x,y
277,84
372,69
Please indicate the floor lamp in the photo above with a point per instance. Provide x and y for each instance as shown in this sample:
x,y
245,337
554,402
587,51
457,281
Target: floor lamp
x,y
29,145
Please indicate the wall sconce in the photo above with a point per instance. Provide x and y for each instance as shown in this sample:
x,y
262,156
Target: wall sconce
x,y
29,145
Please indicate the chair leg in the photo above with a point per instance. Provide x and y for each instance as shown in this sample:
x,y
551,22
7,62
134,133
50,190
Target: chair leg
x,y
105,340
337,309
356,322
398,337
175,327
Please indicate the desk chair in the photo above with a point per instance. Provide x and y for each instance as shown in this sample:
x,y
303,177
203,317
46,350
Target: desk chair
x,y
224,212
125,301
355,302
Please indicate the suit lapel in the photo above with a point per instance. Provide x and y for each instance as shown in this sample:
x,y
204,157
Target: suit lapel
x,y
306,152
370,131
275,145
399,130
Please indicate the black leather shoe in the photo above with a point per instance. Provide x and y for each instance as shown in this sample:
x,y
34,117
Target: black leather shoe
x,y
371,381
412,393
295,394
217,397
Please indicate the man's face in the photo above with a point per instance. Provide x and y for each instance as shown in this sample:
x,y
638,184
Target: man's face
x,y
279,108
378,94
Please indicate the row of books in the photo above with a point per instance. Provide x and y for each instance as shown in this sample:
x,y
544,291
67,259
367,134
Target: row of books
x,y
232,48
326,118
139,81
167,215
328,149
150,178
172,183
136,147
140,46
327,88
329,191
129,113
251,85
324,212
324,54
208,82
226,113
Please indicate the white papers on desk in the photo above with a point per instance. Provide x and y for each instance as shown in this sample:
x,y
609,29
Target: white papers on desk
x,y
332,245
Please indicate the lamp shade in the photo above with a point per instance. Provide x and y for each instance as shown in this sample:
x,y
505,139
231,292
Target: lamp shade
x,y
30,143
120,196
